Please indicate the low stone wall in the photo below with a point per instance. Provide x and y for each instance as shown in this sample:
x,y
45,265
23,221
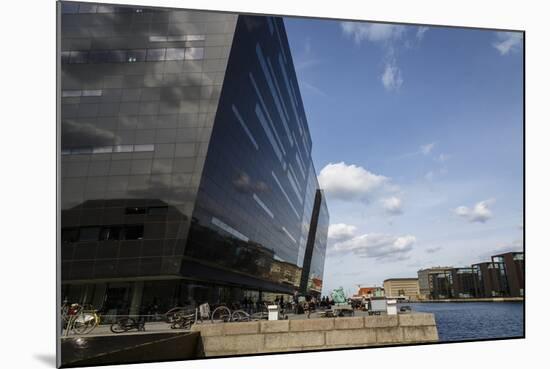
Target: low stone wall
x,y
314,334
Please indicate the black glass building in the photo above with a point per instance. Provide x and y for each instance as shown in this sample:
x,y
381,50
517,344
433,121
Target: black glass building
x,y
186,170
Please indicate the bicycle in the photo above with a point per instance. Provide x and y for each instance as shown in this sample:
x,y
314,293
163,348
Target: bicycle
x,y
182,320
80,319
125,324
221,314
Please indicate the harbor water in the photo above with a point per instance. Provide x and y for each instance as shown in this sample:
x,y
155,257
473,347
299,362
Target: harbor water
x,y
475,320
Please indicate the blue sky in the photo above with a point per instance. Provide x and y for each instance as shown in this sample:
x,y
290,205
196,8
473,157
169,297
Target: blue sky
x,y
417,140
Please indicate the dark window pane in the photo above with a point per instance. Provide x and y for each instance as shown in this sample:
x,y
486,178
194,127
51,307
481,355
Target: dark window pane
x,y
136,55
89,234
65,56
78,57
69,8
87,8
110,233
117,56
133,232
69,235
157,210
132,211
98,56
155,54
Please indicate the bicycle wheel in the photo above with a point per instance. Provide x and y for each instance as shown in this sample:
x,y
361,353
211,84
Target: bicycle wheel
x,y
221,314
240,316
120,326
83,323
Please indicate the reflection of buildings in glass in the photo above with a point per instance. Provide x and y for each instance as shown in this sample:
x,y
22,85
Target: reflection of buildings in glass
x,y
175,188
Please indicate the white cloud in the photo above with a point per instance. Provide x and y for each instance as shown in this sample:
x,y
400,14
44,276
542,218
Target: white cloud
x,y
429,176
341,231
349,182
373,32
442,158
508,42
379,246
393,205
421,31
480,212
427,149
391,78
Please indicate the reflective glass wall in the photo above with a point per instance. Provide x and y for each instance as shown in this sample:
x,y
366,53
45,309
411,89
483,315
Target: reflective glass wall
x,y
252,204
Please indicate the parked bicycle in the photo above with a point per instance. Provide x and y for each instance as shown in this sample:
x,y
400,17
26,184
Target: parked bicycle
x,y
79,319
126,324
180,318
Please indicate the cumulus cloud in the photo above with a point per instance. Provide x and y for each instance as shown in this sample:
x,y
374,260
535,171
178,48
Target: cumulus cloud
x,y
393,205
480,212
427,149
341,231
391,78
508,42
349,182
421,31
378,246
373,32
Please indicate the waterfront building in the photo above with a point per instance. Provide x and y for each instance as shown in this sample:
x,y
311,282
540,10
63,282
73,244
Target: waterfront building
x,y
511,265
489,282
441,283
402,288
463,282
425,281
370,292
186,170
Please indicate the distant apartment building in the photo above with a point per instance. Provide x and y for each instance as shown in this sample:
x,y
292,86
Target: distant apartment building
x,y
503,276
441,285
489,283
425,283
514,271
463,283
402,287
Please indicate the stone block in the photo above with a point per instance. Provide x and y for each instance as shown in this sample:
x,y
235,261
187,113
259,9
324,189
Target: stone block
x,y
321,324
274,326
294,340
246,343
208,329
351,337
381,321
416,319
389,335
241,328
420,334
348,323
